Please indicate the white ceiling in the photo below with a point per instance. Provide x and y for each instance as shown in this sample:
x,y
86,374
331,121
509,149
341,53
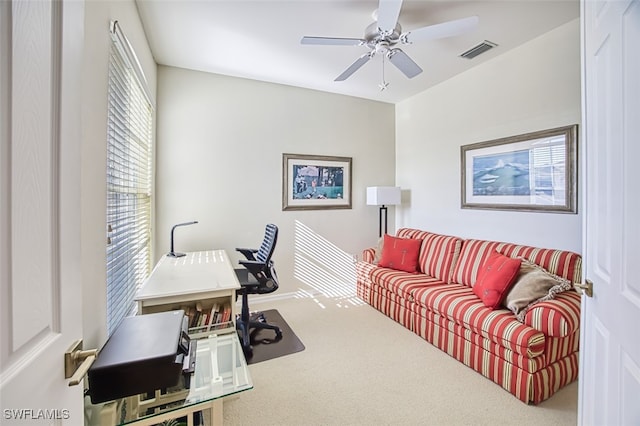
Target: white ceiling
x,y
260,39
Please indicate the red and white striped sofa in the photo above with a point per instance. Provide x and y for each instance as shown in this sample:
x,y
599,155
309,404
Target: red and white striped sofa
x,y
532,360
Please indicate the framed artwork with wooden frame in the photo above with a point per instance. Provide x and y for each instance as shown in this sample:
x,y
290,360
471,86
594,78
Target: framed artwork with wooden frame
x,y
530,172
315,182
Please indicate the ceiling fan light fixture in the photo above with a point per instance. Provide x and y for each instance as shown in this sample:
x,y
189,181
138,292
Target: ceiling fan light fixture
x,y
382,48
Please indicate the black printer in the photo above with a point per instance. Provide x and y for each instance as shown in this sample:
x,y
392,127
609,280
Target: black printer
x,y
145,353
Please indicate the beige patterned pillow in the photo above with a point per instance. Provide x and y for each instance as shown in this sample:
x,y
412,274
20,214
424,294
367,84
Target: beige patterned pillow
x,y
378,251
533,284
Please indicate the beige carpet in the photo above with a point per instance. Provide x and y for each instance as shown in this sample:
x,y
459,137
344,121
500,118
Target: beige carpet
x,y
361,368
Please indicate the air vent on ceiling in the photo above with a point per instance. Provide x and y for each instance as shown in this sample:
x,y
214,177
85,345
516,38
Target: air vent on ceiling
x,y
478,49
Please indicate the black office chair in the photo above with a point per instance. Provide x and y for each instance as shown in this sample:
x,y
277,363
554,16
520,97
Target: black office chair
x,y
259,264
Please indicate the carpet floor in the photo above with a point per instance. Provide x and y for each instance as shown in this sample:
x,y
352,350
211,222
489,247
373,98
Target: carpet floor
x,y
361,368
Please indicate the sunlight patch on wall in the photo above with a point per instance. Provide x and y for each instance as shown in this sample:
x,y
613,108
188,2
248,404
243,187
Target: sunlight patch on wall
x,y
324,267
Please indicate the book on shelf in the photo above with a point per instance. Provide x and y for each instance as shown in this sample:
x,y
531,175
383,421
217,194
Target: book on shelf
x,y
189,311
226,313
200,316
203,319
197,316
213,313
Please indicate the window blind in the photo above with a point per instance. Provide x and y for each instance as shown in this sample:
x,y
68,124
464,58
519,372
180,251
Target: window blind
x,y
129,153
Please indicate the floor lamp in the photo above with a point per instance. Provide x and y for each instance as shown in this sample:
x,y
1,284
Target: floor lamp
x,y
383,196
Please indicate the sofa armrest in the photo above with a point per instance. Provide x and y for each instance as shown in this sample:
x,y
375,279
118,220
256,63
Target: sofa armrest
x,y
556,317
368,255
363,280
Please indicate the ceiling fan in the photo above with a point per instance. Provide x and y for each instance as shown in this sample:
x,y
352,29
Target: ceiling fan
x,y
382,36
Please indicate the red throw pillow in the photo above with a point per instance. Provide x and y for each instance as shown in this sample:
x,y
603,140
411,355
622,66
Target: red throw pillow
x,y
400,253
495,278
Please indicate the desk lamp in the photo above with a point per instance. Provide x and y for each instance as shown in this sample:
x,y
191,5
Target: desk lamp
x,y
172,253
383,196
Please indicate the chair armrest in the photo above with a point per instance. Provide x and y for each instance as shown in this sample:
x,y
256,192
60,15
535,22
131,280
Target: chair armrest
x,y
251,262
254,266
556,317
247,252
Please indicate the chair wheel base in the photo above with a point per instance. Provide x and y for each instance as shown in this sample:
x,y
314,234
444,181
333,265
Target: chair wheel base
x,y
246,328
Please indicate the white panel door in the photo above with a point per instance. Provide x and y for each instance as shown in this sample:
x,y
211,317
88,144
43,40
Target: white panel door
x,y
40,208
610,340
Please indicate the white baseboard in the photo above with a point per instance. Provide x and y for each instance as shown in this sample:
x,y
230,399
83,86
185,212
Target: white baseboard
x,y
268,298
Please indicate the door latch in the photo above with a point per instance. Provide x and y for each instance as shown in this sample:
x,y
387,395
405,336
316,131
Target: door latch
x,y
586,288
77,362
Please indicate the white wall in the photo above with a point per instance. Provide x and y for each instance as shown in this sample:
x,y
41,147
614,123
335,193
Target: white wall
x,y
220,142
534,87
98,14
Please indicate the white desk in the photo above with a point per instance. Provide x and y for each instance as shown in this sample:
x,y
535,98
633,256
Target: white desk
x,y
200,279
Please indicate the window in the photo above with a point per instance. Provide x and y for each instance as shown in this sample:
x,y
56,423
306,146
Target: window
x,y
129,148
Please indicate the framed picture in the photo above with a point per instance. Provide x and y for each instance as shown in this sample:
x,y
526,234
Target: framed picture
x,y
531,172
315,182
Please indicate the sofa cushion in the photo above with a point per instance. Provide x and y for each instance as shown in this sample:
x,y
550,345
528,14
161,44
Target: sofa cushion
x,y
495,279
438,255
458,303
562,263
402,283
534,284
400,253
472,256
416,234
474,253
393,306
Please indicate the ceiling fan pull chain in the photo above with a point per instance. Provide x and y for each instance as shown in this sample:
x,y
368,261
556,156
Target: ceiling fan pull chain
x,y
384,84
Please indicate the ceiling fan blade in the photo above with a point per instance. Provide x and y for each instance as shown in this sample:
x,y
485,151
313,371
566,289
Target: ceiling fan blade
x,y
332,41
355,66
388,12
446,29
404,63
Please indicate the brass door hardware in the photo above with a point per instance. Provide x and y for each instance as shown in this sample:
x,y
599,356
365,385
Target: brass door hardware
x,y
77,362
586,288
